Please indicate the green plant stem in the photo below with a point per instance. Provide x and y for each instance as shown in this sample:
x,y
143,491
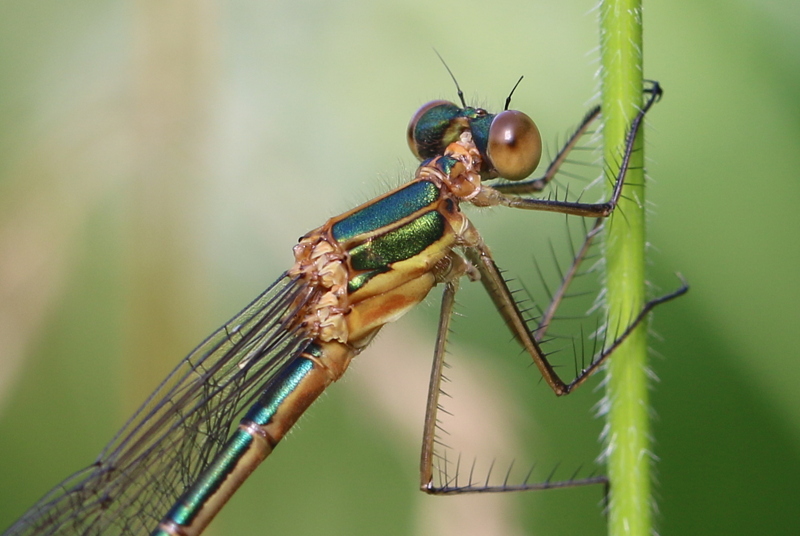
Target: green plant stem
x,y
628,429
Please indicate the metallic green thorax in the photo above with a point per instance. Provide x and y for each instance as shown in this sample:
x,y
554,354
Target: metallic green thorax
x,y
377,254
400,204
395,228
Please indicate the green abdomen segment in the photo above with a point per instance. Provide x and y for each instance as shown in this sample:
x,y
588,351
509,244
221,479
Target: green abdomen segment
x,y
286,397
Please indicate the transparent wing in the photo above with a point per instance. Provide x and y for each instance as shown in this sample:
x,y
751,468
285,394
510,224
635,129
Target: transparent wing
x,y
179,429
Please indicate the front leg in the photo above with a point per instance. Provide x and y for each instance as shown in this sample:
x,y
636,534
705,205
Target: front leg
x,y
498,195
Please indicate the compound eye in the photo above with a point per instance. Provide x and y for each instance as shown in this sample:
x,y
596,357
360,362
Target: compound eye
x,y
428,127
515,145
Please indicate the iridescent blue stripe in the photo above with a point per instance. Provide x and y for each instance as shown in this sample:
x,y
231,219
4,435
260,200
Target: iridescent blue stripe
x,y
184,511
286,382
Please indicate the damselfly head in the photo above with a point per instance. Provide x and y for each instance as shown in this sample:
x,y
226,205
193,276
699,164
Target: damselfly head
x,y
509,142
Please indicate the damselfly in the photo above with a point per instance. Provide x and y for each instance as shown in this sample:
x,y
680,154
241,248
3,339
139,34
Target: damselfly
x,y
225,407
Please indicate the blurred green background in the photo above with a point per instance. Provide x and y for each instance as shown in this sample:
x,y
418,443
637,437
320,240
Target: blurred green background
x,y
159,159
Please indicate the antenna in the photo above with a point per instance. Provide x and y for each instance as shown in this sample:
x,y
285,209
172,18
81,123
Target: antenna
x,y
460,93
508,99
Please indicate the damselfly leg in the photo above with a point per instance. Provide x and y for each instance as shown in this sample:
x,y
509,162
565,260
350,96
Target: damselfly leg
x,y
480,260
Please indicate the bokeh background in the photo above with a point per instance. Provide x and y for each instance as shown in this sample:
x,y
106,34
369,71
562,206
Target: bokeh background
x,y
159,159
